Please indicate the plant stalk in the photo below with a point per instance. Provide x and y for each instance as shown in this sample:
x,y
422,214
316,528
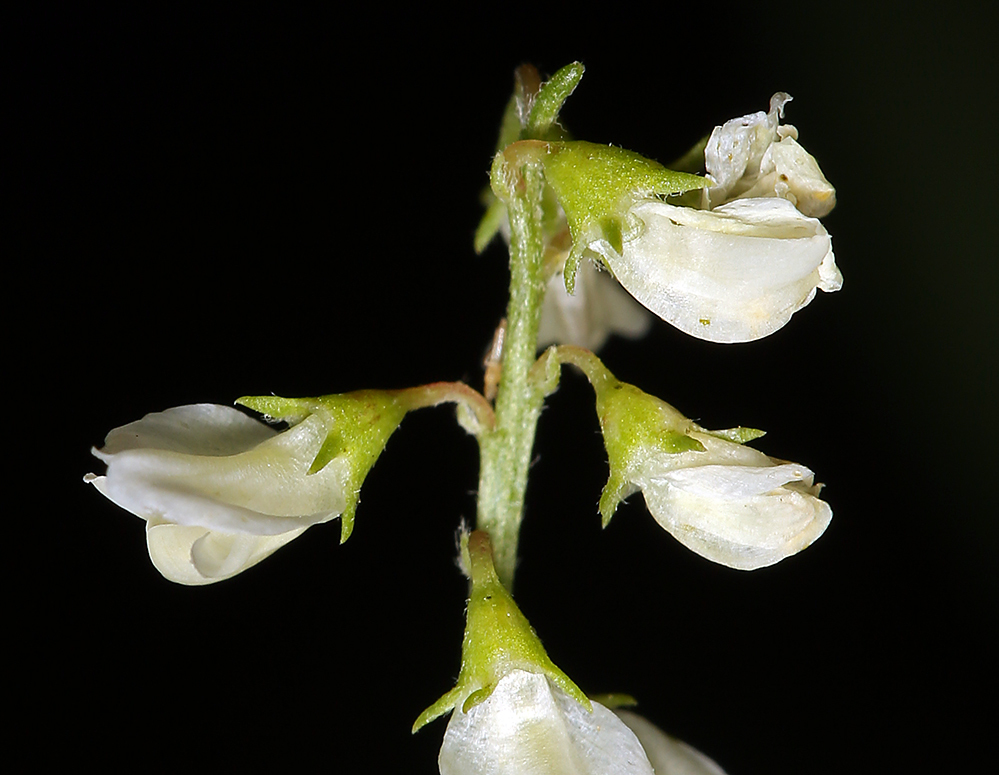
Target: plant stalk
x,y
506,450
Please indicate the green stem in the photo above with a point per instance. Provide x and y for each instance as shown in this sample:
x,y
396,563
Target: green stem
x,y
506,451
584,360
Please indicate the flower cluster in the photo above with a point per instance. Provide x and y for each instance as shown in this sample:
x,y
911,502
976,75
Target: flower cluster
x,y
600,236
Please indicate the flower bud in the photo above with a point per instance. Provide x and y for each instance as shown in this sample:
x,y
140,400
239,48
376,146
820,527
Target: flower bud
x,y
598,308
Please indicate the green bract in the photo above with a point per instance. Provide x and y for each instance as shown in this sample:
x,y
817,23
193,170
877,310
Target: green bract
x,y
531,114
549,100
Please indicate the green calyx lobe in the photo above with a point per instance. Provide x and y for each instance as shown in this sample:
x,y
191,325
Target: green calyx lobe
x,y
360,425
637,427
596,184
738,435
498,639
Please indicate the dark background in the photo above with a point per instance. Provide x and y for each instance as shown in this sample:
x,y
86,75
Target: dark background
x,y
232,202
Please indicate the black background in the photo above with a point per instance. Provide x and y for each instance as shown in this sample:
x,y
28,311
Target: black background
x,y
242,202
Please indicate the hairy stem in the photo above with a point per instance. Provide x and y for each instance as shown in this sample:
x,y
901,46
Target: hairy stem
x,y
506,450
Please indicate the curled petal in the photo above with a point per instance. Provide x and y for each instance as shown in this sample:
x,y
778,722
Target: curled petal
x,y
528,727
734,151
754,156
597,308
788,171
194,555
732,274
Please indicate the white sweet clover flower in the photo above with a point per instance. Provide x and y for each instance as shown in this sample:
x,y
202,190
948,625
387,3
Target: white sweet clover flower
x,y
528,726
734,272
724,500
756,156
668,755
219,490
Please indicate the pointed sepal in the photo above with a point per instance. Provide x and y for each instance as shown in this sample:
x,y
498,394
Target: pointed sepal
x,y
362,423
596,184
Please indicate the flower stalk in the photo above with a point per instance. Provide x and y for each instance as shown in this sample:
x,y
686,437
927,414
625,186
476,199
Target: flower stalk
x,y
436,393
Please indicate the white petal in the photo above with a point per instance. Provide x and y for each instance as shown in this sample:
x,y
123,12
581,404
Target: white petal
x,y
198,429
668,755
754,157
527,727
744,531
730,482
735,149
597,309
733,274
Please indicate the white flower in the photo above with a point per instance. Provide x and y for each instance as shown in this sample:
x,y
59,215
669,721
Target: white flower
x,y
731,503
732,274
527,726
720,498
597,309
219,491
754,156
668,755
